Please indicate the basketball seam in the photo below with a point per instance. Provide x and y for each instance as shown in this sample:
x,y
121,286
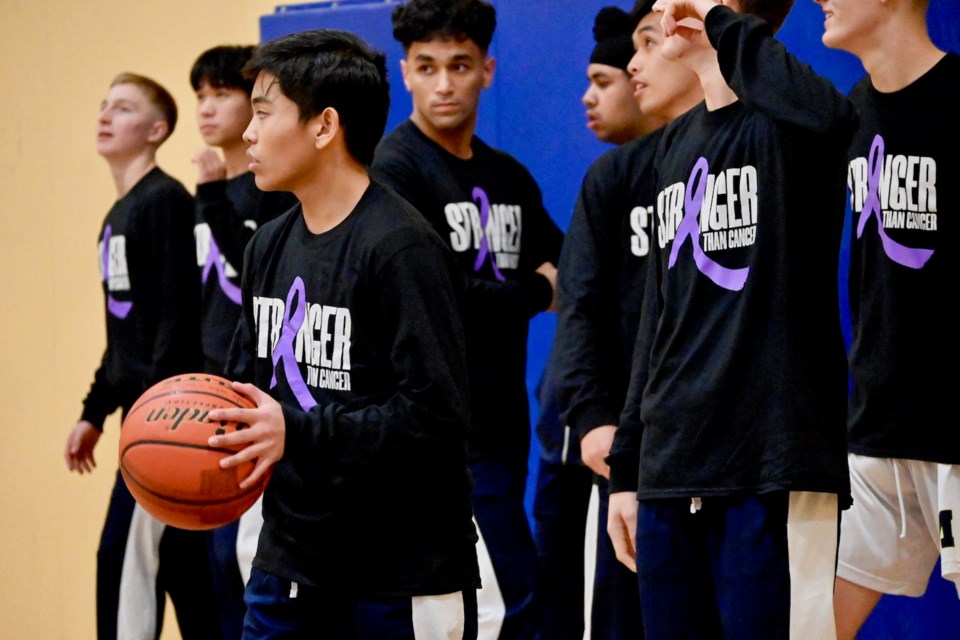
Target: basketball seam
x,y
126,471
181,392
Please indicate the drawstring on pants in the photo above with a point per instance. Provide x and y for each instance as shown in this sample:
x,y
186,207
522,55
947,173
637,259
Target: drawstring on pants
x,y
695,505
903,516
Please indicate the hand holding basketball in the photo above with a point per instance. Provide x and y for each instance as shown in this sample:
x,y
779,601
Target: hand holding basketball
x,y
264,440
169,466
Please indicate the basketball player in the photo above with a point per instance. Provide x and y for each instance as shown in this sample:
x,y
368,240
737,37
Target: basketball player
x,y
595,249
229,208
905,474
152,305
351,336
489,210
732,432
601,283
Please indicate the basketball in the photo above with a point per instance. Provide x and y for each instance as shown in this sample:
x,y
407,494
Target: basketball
x,y
166,462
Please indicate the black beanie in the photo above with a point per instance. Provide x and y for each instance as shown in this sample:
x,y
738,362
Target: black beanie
x,y
612,29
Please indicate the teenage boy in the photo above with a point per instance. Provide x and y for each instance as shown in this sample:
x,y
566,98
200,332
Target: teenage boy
x,y
612,112
229,205
152,299
905,475
229,208
732,434
351,336
600,285
569,507
489,210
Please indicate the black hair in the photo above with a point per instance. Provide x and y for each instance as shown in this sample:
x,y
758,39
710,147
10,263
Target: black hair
x,y
460,20
773,11
328,68
222,68
640,9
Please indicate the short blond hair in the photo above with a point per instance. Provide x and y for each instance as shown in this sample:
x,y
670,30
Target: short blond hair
x,y
156,94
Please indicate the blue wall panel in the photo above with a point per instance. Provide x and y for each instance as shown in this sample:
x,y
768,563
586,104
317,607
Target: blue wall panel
x,y
533,111
370,19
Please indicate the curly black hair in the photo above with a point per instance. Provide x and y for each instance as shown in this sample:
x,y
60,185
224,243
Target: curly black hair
x,y
425,20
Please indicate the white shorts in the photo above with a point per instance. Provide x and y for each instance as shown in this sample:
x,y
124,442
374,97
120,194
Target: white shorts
x,y
905,514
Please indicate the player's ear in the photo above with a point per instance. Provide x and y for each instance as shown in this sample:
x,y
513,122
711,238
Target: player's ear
x,y
325,126
489,66
159,131
404,72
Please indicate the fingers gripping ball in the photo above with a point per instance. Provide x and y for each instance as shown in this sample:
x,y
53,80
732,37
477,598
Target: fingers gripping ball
x,y
166,462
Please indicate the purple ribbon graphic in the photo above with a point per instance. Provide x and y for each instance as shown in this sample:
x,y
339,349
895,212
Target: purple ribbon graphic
x,y
912,258
481,197
292,320
732,279
229,289
116,307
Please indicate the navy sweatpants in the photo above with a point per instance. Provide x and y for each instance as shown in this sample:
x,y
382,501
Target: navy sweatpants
x,y
139,561
508,605
561,517
571,550
751,567
560,523
228,584
278,609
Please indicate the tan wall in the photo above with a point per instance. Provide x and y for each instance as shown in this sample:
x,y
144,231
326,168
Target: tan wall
x,y
56,60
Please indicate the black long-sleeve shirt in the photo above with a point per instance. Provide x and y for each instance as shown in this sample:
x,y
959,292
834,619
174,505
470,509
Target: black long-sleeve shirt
x,y
903,163
489,211
600,284
227,214
744,386
357,333
152,294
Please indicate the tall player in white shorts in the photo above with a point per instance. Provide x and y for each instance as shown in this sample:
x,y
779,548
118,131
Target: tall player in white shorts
x,y
904,463
906,513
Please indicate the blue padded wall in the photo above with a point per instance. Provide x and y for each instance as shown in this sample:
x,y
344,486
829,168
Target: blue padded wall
x,y
533,111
